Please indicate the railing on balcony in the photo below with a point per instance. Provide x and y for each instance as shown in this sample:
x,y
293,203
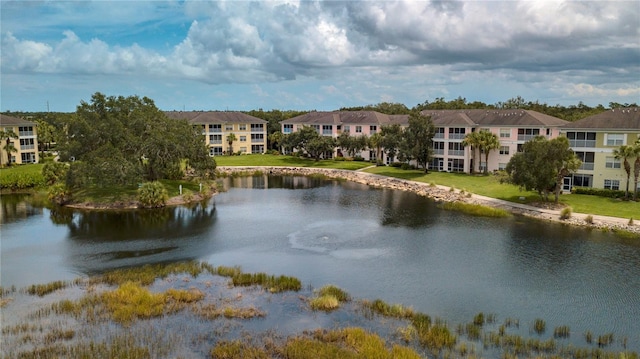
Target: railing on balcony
x,y
582,143
27,147
438,151
526,137
587,166
456,152
456,136
438,135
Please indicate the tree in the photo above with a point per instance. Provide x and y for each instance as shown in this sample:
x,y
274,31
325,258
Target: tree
x,y
636,169
472,139
488,142
275,139
300,139
542,165
375,142
625,152
317,146
123,140
391,139
230,139
46,135
8,146
418,142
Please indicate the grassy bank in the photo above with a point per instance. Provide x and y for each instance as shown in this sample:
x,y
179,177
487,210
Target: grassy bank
x,y
291,161
194,309
490,186
21,177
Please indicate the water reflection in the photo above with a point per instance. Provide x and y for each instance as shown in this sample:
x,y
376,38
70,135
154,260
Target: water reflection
x,y
16,207
101,240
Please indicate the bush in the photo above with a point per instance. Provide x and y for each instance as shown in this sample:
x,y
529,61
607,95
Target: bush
x,y
152,195
609,193
358,158
53,172
589,219
12,180
565,213
59,194
406,166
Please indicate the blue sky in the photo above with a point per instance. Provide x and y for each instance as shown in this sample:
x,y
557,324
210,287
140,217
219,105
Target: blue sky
x,y
310,55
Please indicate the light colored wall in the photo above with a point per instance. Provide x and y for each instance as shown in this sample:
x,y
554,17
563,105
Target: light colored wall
x,y
16,144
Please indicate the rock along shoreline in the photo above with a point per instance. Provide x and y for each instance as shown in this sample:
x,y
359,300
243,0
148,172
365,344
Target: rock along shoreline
x,y
440,194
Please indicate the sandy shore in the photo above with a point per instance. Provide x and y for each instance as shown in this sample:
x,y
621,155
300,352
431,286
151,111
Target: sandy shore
x,y
446,194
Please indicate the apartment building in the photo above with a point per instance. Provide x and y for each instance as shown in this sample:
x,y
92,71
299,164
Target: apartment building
x,y
594,139
512,127
23,142
356,123
250,132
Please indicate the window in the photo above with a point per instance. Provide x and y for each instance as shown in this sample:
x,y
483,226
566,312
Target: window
x,y
612,162
26,144
216,127
243,138
215,151
504,150
327,130
526,134
520,148
614,139
373,129
502,166
483,165
28,157
257,127
456,149
257,148
505,133
358,129
228,127
439,132
581,180
456,165
25,131
438,148
242,127
215,139
257,137
456,133
582,139
347,128
243,149
612,184
288,129
587,158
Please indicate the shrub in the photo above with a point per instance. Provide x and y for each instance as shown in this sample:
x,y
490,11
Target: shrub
x,y
358,158
59,194
325,302
565,213
53,172
152,195
589,219
17,181
406,166
600,192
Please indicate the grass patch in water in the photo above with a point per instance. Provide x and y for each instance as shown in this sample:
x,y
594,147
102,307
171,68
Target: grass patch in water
x,y
270,282
329,298
379,306
43,289
475,209
211,311
147,274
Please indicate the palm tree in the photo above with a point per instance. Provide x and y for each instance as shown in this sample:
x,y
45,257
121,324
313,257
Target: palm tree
x,y
8,144
230,139
636,169
488,142
472,139
375,141
625,152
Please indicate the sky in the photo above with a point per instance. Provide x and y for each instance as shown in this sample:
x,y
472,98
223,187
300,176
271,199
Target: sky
x,y
317,55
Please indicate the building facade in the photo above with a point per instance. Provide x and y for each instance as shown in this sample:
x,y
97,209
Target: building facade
x,y
250,132
23,142
594,139
512,127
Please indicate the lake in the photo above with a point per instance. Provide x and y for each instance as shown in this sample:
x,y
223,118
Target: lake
x,y
374,243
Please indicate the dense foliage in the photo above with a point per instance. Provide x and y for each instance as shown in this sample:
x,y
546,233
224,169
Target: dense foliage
x,y
542,165
123,140
152,195
417,143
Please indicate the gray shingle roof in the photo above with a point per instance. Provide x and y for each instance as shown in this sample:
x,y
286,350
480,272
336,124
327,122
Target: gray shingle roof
x,y
492,118
343,117
205,117
617,119
14,121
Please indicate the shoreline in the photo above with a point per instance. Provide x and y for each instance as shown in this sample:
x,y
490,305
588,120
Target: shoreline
x,y
441,193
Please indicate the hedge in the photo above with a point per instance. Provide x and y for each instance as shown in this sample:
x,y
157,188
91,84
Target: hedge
x,y
610,193
19,181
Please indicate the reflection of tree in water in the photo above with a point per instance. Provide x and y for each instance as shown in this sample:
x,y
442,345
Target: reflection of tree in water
x,y
172,222
406,209
16,206
61,215
268,181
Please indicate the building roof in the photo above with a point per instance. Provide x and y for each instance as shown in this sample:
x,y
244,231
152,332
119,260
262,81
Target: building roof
x,y
206,117
616,119
14,121
492,118
344,117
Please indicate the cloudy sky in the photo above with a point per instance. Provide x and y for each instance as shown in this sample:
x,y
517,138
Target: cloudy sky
x,y
305,55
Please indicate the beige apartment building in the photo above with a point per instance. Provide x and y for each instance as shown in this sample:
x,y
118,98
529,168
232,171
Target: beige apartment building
x,y
23,141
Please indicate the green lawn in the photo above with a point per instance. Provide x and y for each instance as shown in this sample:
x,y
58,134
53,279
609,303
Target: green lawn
x,y
490,186
275,160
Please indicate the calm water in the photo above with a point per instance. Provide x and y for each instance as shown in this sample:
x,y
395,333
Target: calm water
x,y
373,243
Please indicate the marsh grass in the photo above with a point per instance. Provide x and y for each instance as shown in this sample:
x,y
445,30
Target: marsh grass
x,y
326,302
475,209
380,307
269,282
147,274
562,331
43,289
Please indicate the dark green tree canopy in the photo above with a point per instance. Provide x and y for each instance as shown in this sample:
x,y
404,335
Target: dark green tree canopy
x,y
542,164
418,140
123,140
